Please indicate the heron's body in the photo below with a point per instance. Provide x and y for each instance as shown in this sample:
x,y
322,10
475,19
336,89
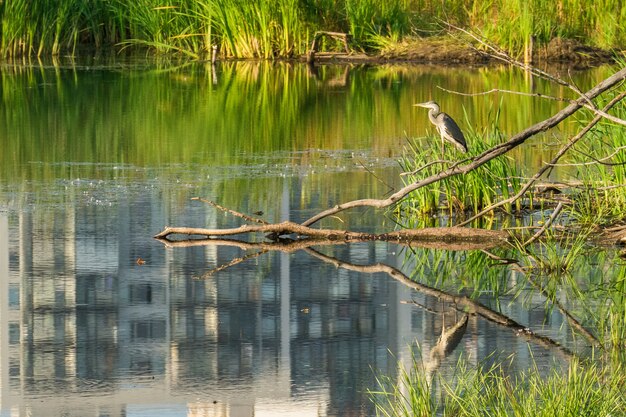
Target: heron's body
x,y
447,127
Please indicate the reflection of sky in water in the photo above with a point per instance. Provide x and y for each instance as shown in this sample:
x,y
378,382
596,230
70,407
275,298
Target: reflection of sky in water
x,y
86,329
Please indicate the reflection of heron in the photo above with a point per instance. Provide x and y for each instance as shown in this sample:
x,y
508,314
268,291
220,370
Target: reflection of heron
x,y
447,127
447,342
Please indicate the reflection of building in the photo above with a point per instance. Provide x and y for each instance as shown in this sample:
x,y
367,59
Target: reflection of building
x,y
85,329
92,332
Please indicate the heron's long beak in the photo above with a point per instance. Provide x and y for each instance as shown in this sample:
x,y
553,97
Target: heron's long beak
x,y
420,105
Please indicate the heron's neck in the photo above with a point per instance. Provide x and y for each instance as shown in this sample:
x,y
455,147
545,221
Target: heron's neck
x,y
432,115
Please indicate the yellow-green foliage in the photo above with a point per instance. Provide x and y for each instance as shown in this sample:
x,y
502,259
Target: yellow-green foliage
x,y
271,28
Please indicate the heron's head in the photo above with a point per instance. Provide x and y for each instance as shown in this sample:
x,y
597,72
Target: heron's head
x,y
429,105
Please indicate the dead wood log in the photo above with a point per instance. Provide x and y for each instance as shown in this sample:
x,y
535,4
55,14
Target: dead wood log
x,y
461,302
452,238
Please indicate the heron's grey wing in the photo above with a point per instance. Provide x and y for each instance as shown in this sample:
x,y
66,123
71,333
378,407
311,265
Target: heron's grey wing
x,y
452,132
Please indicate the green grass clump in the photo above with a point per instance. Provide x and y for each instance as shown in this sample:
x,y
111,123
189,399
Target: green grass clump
x,y
511,24
468,193
597,170
582,390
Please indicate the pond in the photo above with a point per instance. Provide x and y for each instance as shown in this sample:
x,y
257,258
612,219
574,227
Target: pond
x,y
98,318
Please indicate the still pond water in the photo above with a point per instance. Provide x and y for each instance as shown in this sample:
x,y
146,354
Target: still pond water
x,y
99,319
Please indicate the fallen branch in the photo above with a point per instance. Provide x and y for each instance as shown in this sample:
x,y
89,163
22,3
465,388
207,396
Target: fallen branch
x,y
545,226
453,238
230,211
548,165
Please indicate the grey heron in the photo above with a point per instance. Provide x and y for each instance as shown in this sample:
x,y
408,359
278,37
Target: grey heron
x,y
447,127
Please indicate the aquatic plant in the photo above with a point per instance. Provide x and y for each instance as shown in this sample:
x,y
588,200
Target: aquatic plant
x,y
599,174
585,384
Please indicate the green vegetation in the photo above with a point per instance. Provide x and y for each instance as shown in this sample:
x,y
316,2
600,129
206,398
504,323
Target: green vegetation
x,y
586,380
579,390
599,163
561,270
498,179
284,28
592,176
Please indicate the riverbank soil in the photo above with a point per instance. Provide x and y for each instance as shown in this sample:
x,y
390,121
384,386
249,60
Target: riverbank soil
x,y
448,50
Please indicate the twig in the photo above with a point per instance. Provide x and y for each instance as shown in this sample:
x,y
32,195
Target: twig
x,y
545,226
233,212
539,95
546,167
233,262
595,161
498,90
616,228
415,171
422,306
372,173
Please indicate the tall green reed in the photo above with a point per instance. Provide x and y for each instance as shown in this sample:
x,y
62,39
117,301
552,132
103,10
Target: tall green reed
x,y
599,162
282,28
583,389
498,179
510,24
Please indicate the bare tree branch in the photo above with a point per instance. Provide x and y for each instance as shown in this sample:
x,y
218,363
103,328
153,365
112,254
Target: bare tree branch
x,y
547,166
545,226
593,108
481,159
596,161
513,92
230,211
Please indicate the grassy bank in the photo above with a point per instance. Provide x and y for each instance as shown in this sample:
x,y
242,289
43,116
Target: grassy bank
x,y
284,28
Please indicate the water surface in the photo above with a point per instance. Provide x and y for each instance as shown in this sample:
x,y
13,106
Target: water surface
x,y
98,318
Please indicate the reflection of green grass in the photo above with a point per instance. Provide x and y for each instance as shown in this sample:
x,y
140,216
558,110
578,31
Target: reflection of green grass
x,y
178,115
468,272
600,163
56,121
